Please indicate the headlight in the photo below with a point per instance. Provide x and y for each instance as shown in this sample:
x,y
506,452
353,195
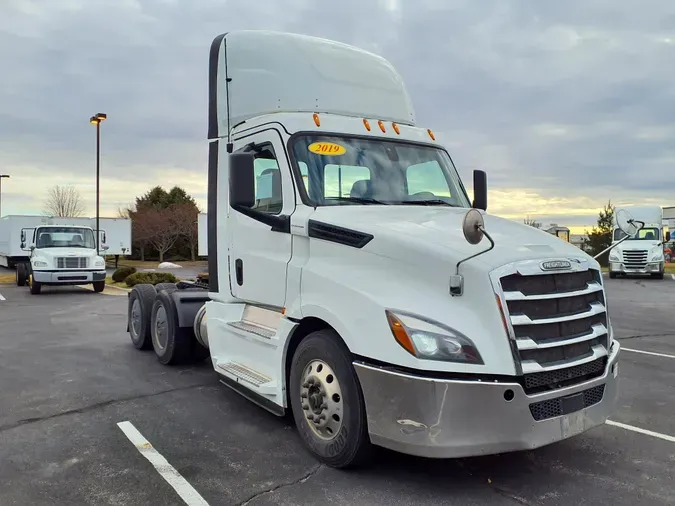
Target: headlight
x,y
99,262
657,256
430,340
613,255
39,263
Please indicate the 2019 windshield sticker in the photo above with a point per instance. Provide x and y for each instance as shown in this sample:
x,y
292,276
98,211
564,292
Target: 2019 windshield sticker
x,y
327,148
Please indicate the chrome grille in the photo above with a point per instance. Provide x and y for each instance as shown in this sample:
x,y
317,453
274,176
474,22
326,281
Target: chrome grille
x,y
635,259
72,263
557,323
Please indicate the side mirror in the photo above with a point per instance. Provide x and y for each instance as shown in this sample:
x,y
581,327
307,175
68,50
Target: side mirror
x,y
23,244
103,238
479,190
242,180
105,247
668,236
23,238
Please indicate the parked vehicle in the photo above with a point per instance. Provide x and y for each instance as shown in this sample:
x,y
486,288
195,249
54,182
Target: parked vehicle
x,y
117,231
643,252
61,255
354,283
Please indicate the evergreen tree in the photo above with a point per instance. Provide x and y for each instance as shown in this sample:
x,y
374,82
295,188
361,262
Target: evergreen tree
x,y
601,235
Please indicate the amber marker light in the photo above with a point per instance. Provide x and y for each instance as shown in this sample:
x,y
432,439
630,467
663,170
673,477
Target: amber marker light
x,y
366,124
395,127
381,125
317,121
401,336
431,134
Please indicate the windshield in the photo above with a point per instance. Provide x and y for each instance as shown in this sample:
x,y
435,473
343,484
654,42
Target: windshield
x,y
645,234
341,170
65,237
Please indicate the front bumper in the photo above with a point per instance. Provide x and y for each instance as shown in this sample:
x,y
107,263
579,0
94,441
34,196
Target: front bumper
x,y
454,418
66,277
651,267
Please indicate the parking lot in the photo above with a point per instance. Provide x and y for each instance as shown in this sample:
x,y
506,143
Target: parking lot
x,y
70,375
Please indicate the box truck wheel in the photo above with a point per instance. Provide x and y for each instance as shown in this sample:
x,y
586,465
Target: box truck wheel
x,y
173,344
139,309
612,275
658,275
21,274
327,401
99,286
35,286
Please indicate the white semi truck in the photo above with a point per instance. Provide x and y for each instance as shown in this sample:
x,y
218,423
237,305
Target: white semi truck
x,y
61,255
354,283
642,252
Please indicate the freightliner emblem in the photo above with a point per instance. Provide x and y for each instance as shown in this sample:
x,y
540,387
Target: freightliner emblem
x,y
555,265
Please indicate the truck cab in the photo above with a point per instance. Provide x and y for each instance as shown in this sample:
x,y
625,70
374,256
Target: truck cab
x,y
356,283
643,252
61,255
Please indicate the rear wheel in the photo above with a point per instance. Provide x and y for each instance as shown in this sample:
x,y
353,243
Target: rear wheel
x,y
327,401
21,274
139,311
173,344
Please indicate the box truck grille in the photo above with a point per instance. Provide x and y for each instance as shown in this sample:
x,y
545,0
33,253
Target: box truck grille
x,y
635,259
72,263
559,326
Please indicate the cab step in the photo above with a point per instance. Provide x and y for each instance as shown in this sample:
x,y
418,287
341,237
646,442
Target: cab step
x,y
260,382
259,321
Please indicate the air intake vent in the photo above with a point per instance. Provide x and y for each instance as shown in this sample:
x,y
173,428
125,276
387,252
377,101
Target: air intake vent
x,y
340,235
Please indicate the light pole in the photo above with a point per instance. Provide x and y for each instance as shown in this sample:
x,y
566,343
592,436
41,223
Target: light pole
x,y
97,120
2,176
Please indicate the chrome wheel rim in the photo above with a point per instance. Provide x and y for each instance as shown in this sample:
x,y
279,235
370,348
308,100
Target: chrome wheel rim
x,y
321,399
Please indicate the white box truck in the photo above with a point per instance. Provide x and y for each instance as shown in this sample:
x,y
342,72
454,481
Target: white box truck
x,y
641,253
354,282
117,231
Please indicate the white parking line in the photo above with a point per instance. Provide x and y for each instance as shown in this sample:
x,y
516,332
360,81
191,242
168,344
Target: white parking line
x,y
673,276
186,492
664,355
665,437
1,297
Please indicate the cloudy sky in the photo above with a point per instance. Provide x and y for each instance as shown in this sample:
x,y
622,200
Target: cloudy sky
x,y
565,104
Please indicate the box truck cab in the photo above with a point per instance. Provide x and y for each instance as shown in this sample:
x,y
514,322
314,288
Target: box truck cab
x,y
356,283
61,255
642,252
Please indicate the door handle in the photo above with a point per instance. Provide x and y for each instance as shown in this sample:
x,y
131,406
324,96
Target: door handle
x,y
239,271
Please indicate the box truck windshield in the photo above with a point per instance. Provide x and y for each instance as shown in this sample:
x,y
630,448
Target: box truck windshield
x,y
339,170
67,237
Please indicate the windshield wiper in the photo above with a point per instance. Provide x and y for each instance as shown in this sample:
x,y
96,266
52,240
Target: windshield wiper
x,y
359,200
429,202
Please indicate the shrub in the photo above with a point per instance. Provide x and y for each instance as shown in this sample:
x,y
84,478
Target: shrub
x,y
151,278
123,273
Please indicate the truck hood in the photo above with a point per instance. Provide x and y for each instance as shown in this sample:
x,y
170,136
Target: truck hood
x,y
404,230
66,252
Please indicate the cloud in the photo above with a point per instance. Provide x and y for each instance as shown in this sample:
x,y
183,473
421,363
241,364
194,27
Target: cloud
x,y
565,105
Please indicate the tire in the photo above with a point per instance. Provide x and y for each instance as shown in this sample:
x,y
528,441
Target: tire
x,y
139,310
612,275
21,274
658,275
348,444
169,287
99,286
172,344
35,287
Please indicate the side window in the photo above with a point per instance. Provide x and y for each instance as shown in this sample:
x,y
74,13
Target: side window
x,y
344,180
267,181
427,177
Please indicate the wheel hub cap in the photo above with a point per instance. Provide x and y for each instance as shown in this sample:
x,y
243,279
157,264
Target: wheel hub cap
x,y
136,318
161,331
321,398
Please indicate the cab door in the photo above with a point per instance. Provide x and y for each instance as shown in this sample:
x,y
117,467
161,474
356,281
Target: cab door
x,y
259,253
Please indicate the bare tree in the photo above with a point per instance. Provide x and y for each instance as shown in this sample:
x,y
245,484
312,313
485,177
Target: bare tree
x,y
63,202
158,226
532,222
185,219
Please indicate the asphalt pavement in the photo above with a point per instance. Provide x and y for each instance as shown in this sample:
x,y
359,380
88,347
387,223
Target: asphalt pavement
x,y
70,375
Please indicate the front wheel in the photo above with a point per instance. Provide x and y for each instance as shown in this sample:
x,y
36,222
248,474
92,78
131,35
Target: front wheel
x,y
35,287
99,286
327,401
